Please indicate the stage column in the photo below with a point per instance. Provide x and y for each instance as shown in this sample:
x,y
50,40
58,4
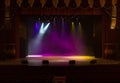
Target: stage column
x,y
14,12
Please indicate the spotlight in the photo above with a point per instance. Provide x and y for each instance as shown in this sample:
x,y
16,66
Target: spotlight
x,y
45,62
36,25
77,18
72,23
39,19
73,27
93,61
43,29
72,62
24,61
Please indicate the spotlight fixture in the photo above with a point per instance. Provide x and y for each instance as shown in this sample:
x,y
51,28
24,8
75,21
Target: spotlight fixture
x,y
93,61
72,62
24,61
45,62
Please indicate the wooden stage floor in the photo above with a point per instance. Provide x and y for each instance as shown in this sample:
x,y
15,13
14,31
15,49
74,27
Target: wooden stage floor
x,y
80,71
35,60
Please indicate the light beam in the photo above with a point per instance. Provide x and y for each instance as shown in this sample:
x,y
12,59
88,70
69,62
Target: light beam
x,y
44,29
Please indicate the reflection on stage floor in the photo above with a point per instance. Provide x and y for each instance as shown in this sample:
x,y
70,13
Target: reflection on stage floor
x,y
76,60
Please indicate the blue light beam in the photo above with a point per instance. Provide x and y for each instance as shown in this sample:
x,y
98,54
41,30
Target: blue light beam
x,y
43,29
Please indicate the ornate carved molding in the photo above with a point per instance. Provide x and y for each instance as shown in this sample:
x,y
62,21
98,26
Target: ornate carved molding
x,y
61,4
13,4
84,4
118,14
96,4
72,4
25,4
2,4
37,4
49,4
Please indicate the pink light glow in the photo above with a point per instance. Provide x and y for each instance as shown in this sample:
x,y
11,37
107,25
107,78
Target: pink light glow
x,y
61,57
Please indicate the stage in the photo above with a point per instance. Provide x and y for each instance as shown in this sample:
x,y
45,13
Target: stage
x,y
67,69
40,60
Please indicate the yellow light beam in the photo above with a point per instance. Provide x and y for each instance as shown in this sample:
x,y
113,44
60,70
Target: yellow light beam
x,y
73,27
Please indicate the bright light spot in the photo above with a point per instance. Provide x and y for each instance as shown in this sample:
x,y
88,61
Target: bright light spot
x,y
34,56
42,25
112,28
72,23
36,25
81,57
81,30
43,29
113,23
73,27
62,58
